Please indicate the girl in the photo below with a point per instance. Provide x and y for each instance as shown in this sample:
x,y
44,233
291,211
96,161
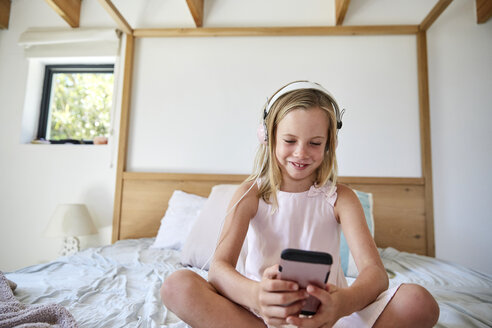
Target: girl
x,y
292,200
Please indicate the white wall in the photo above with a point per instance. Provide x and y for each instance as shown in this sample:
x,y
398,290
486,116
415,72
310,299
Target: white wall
x,y
210,92
460,78
34,178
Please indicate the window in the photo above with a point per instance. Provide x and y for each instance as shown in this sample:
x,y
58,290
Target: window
x,y
76,103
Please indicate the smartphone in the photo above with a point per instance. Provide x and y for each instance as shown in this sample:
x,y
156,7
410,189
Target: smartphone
x,y
306,267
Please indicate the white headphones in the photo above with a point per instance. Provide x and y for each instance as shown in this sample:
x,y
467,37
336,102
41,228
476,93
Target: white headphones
x,y
296,85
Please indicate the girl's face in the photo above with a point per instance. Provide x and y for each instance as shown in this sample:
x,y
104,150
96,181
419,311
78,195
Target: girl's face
x,y
300,147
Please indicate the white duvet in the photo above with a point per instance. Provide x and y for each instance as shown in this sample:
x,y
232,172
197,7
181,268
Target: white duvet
x,y
118,285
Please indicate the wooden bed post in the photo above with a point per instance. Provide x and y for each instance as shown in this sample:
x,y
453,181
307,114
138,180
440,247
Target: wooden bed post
x,y
123,134
424,111
425,139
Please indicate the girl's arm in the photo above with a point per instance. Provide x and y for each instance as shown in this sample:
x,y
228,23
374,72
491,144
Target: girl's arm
x,y
268,296
372,279
222,274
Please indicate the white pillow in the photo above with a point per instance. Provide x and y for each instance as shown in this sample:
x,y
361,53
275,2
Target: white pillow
x,y
201,241
182,211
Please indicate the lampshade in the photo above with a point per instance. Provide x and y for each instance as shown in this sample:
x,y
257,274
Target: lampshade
x,y
70,220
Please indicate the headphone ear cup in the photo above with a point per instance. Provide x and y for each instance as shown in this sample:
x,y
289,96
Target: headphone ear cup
x,y
262,134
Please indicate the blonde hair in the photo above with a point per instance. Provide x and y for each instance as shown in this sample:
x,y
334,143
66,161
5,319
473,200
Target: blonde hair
x,y
266,167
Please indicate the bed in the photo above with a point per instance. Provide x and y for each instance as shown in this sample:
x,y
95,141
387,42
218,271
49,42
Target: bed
x,y
118,285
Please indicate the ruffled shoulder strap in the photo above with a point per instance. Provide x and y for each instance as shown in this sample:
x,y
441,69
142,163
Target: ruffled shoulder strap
x,y
328,191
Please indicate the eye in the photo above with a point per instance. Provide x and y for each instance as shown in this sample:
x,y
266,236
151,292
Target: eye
x,y
316,143
289,141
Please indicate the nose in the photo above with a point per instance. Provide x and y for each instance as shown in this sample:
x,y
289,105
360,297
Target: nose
x,y
300,150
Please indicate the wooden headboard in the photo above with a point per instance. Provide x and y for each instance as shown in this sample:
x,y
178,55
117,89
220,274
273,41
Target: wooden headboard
x,y
399,206
403,207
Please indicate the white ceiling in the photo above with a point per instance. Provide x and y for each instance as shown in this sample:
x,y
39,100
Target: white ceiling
x,y
230,13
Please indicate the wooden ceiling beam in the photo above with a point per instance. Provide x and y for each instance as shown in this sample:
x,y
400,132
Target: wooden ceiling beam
x,y
277,31
484,10
196,9
341,7
438,9
4,14
116,15
69,10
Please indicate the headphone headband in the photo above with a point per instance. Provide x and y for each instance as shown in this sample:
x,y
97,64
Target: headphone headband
x,y
301,85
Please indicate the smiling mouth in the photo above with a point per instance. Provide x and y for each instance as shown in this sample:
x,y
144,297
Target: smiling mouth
x,y
299,165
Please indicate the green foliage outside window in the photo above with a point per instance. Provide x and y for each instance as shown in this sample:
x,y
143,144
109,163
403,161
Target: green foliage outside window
x,y
80,105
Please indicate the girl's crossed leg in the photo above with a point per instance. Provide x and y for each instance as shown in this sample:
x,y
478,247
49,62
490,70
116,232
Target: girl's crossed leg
x,y
411,306
199,304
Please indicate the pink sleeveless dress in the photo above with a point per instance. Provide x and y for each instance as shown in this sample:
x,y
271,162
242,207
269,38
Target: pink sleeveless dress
x,y
306,221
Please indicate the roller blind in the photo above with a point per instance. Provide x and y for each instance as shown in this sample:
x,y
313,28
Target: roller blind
x,y
62,42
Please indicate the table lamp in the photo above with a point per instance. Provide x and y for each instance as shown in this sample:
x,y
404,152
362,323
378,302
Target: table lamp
x,y
70,221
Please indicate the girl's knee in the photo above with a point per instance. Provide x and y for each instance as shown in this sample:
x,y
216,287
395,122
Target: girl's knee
x,y
177,287
421,305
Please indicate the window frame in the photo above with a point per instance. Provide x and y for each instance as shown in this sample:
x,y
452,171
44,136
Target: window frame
x,y
47,90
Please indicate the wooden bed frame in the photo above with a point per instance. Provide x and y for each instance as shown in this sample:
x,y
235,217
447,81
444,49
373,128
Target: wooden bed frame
x,y
399,205
403,207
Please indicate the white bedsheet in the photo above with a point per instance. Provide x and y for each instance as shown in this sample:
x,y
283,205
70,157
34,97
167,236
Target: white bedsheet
x,y
464,295
118,286
111,286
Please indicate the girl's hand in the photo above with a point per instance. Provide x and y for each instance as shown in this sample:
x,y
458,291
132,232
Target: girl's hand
x,y
329,310
278,299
